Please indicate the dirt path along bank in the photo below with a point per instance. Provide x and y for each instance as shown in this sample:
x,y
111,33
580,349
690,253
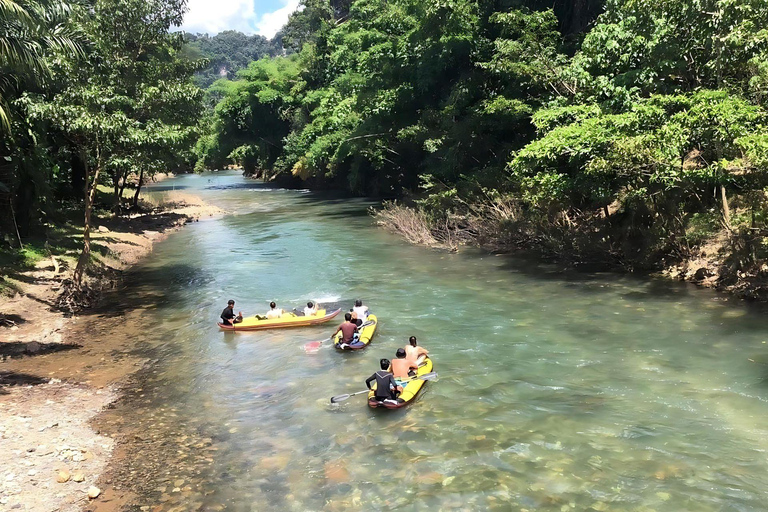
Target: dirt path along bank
x,y
59,369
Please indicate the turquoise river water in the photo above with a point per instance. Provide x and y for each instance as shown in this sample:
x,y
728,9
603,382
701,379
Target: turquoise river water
x,y
558,391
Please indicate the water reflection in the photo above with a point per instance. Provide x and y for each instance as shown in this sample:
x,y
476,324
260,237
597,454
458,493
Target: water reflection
x,y
558,391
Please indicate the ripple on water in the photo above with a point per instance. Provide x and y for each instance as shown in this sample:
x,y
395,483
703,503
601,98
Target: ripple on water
x,y
605,393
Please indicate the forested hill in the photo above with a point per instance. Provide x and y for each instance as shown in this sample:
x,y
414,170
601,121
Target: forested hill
x,y
631,129
227,53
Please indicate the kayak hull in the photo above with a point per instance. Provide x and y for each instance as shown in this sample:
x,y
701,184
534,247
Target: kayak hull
x,y
410,391
287,320
366,334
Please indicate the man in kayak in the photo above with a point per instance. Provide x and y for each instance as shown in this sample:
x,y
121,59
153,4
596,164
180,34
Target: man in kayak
x,y
362,311
386,387
348,330
413,351
311,309
402,367
356,320
274,311
228,315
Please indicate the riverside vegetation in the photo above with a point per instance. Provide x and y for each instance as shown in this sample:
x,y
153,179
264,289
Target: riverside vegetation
x,y
627,132
94,96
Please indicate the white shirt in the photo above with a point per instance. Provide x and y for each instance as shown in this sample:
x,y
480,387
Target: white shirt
x,y
362,312
275,313
310,311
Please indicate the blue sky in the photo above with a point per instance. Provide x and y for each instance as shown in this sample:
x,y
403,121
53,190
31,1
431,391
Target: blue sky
x,y
263,17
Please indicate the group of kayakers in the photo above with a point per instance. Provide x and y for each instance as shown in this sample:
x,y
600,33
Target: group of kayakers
x,y
393,376
228,316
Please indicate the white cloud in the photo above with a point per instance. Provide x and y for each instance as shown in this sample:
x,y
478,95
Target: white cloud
x,y
269,23
214,16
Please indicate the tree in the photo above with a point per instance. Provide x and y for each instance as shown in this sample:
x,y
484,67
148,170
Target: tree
x,y
30,30
130,105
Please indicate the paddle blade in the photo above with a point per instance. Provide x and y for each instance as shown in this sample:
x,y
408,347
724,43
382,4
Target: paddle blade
x,y
340,398
428,376
312,347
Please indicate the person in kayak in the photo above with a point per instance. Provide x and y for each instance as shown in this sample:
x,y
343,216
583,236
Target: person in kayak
x,y
402,367
228,315
386,387
362,311
274,311
356,320
413,351
311,309
348,330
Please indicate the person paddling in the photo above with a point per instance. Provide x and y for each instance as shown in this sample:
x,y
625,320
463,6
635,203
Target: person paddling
x,y
348,330
228,315
401,367
386,387
413,351
274,311
362,311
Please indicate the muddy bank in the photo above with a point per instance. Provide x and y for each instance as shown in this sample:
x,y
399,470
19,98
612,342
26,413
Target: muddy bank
x,y
59,368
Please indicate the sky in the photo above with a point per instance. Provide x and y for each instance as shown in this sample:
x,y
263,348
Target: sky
x,y
263,17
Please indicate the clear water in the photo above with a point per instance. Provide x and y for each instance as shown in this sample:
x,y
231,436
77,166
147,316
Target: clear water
x,y
557,391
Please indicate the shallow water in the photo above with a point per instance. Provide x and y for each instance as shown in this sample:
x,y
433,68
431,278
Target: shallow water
x,y
557,391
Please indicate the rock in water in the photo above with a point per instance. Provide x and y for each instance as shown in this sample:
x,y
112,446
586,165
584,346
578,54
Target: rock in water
x,y
93,492
63,476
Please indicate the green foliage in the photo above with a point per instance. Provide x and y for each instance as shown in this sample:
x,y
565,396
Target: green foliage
x,y
251,115
106,92
631,131
29,31
226,53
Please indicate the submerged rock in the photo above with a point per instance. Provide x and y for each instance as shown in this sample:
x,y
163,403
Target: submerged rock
x,y
336,472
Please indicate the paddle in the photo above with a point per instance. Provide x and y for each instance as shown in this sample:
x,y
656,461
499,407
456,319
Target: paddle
x,y
314,346
340,398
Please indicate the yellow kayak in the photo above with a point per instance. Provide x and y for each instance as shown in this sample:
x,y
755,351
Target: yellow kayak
x,y
366,333
253,323
410,390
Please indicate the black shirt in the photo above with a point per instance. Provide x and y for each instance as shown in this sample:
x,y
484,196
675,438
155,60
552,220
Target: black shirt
x,y
228,314
385,384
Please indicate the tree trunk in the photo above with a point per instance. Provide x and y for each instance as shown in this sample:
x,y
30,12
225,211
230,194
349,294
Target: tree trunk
x,y
90,193
125,182
138,189
116,179
726,209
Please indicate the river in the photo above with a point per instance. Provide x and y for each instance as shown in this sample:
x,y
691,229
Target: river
x,y
557,390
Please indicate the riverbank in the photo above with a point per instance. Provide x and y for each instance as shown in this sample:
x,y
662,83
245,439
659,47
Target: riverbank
x,y
715,261
59,367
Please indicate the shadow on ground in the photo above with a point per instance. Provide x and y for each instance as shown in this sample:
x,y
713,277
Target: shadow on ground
x,y
18,379
33,348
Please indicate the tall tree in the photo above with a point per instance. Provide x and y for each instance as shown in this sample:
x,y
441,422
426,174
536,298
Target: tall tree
x,y
131,104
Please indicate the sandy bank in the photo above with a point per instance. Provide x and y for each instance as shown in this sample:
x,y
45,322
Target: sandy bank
x,y
59,368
